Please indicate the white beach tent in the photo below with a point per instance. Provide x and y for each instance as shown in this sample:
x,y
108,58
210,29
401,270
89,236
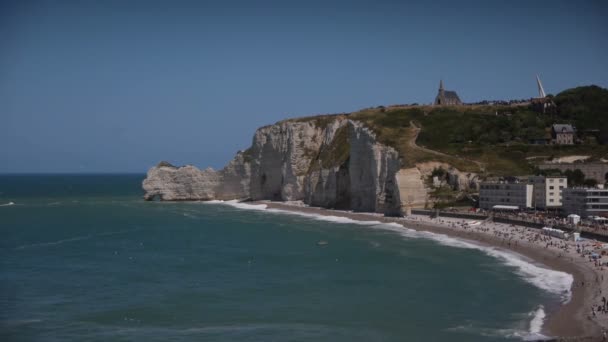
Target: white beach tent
x,y
574,219
558,233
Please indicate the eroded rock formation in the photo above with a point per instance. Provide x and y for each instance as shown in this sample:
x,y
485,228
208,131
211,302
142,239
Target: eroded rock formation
x,y
330,162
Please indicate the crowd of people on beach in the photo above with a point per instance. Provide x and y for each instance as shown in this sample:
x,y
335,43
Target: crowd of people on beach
x,y
548,219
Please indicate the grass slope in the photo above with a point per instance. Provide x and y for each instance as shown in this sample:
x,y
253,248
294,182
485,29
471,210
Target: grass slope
x,y
494,140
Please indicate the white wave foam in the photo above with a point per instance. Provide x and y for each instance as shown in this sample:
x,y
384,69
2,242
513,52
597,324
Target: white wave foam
x,y
7,204
340,219
536,324
241,205
508,333
552,281
537,321
556,282
213,201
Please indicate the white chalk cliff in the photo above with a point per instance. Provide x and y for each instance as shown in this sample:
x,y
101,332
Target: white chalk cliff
x,y
330,162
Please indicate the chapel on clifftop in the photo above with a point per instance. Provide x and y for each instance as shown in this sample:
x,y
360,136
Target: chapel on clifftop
x,y
446,97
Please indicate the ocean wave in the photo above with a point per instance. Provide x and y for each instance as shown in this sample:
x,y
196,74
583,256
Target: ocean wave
x,y
327,218
53,243
241,205
74,239
11,323
7,204
555,282
533,334
537,321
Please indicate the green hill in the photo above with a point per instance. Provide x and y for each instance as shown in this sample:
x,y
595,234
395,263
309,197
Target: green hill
x,y
586,108
496,140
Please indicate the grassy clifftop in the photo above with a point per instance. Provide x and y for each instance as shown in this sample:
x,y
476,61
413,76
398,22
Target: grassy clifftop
x,y
495,140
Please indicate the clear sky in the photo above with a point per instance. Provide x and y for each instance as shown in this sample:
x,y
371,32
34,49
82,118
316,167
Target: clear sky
x,y
116,86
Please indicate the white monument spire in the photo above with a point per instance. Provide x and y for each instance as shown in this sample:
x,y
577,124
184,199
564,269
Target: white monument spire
x,y
541,91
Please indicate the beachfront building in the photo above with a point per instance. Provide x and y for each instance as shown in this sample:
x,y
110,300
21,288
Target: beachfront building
x,y
548,191
562,134
446,97
513,195
585,202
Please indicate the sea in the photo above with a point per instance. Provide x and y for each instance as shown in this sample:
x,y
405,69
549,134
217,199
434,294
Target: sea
x,y
84,258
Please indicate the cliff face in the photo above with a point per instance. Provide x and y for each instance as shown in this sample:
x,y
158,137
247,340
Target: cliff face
x,y
283,155
330,162
372,167
187,183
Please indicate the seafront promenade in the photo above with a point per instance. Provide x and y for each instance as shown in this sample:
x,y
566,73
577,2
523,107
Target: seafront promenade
x,y
593,231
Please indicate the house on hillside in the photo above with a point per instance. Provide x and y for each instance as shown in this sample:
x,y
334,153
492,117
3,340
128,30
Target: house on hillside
x,y
563,134
446,97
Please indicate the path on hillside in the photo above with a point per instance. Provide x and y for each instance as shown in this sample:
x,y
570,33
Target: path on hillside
x,y
412,144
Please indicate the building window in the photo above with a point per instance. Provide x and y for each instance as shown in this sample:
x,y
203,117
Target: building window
x,y
561,180
551,200
551,194
551,187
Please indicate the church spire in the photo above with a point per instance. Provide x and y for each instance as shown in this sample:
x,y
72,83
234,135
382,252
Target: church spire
x,y
440,85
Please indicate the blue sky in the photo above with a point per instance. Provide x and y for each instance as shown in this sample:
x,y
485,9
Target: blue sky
x,y
116,86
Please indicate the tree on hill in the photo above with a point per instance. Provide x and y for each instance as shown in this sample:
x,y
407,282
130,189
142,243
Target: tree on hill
x,y
575,178
586,108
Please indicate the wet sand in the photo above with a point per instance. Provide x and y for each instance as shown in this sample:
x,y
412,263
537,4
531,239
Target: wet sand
x,y
572,321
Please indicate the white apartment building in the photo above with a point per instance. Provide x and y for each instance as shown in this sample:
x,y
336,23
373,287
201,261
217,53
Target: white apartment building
x,y
548,191
586,202
505,194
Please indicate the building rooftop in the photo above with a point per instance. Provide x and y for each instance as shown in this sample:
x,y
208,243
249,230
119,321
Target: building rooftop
x,y
451,95
563,128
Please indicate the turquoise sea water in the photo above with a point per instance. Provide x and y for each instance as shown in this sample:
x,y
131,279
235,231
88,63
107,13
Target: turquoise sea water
x,y
83,258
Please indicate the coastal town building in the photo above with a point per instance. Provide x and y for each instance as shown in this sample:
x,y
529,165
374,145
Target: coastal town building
x,y
548,191
562,134
446,97
505,195
585,202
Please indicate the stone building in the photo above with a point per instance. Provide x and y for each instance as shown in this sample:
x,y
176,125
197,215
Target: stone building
x,y
562,134
446,97
597,171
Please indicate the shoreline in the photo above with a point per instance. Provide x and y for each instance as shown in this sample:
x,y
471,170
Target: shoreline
x,y
571,321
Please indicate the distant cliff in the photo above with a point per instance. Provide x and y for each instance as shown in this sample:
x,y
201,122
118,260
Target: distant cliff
x,y
326,161
384,159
